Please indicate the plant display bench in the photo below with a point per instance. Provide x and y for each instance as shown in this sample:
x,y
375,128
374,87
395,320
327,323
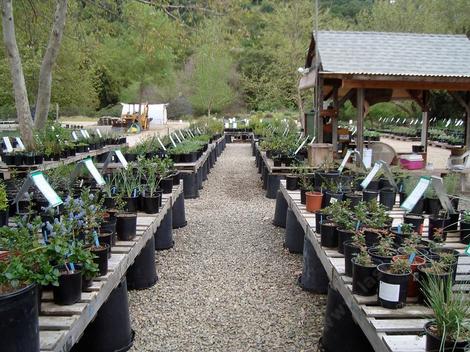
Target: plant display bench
x,y
48,165
386,329
271,175
62,326
238,136
194,174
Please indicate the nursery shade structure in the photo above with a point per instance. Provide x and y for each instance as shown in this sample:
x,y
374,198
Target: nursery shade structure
x,y
372,67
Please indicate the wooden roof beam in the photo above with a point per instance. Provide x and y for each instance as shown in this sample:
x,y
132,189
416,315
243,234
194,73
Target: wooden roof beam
x,y
409,85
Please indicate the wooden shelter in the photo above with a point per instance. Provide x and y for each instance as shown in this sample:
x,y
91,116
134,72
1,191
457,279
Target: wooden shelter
x,y
372,67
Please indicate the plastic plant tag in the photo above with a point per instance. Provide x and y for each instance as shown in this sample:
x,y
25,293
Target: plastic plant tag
x,y
399,229
226,125
161,144
333,200
95,238
172,141
84,134
416,194
8,145
411,259
121,158
178,138
345,160
198,130
181,134
98,132
74,135
371,175
94,171
467,250
72,267
45,188
20,143
301,146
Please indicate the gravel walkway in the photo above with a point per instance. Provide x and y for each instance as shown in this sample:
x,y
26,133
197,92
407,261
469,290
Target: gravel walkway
x,y
228,284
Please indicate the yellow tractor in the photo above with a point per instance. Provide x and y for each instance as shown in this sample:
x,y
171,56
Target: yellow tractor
x,y
135,119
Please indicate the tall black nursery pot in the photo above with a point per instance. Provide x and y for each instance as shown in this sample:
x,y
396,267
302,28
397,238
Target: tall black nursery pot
x,y
4,215
350,251
364,281
19,323
354,198
69,290
387,197
368,195
392,287
433,342
425,276
372,238
432,206
415,220
465,232
328,196
101,259
126,226
453,267
436,222
167,184
131,204
303,198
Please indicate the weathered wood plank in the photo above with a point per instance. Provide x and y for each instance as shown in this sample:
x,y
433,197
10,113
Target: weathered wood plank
x,y
56,323
398,325
48,339
407,343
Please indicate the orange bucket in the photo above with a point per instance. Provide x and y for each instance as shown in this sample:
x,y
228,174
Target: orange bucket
x,y
313,201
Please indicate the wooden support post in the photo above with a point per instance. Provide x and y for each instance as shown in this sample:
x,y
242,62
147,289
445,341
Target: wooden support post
x,y
334,121
425,118
360,121
465,103
318,110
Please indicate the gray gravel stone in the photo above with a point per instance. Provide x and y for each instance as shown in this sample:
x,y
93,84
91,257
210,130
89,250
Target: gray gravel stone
x,y
228,284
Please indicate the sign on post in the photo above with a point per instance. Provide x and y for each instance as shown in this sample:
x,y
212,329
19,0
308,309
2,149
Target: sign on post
x,y
8,145
121,158
94,171
345,160
371,175
416,194
161,144
20,143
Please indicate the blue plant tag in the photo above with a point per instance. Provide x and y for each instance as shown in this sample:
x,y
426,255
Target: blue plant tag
x,y
358,224
399,228
411,259
72,267
467,250
95,236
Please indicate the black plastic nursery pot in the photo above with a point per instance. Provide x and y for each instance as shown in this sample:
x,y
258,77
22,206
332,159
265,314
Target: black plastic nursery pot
x,y
19,323
350,251
387,197
69,290
110,331
4,216
313,277
432,206
143,273
292,182
392,288
166,185
328,235
434,342
364,281
131,204
176,176
318,219
164,234
465,232
102,254
151,204
294,237
329,196
415,220
436,223
372,238
303,197
369,195
109,202
126,226
373,186
343,236
353,198
453,267
106,238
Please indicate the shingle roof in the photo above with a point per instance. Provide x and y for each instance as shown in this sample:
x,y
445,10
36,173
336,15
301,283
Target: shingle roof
x,y
407,54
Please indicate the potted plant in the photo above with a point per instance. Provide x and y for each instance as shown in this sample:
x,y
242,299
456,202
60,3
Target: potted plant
x,y
393,283
152,182
448,257
128,186
4,208
347,225
375,224
433,270
402,232
438,226
351,249
450,328
465,227
412,290
313,200
126,222
364,274
383,251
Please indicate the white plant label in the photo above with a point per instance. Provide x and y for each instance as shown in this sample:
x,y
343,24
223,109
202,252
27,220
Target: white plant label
x,y
83,132
333,200
178,138
235,124
416,194
45,188
181,134
198,130
389,292
20,143
99,133
345,160
94,171
8,145
161,144
367,158
226,125
371,175
74,135
172,141
301,145
121,158
467,250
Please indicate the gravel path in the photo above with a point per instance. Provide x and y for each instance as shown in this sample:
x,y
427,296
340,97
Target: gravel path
x,y
228,284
